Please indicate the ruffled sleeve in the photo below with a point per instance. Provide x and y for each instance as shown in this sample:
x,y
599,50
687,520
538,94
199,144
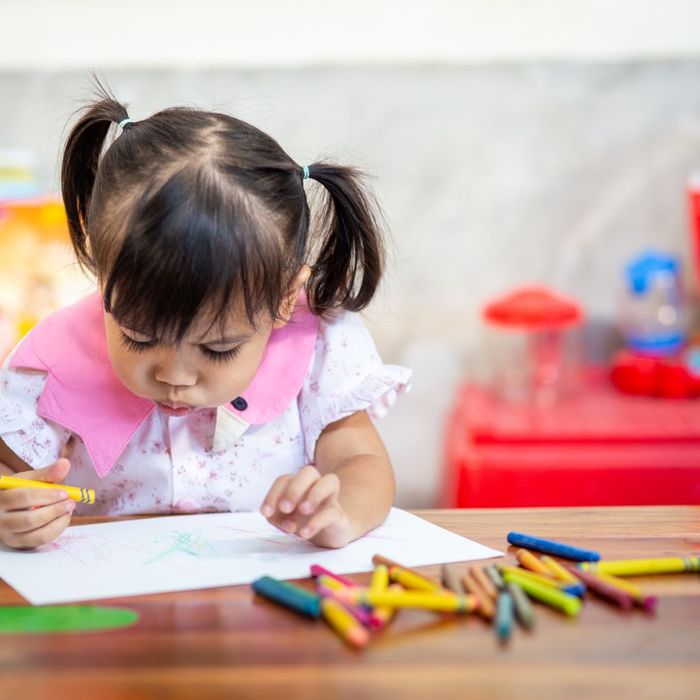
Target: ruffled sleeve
x,y
32,438
346,375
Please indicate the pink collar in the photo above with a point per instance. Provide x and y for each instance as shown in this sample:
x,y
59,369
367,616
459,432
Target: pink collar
x,y
83,394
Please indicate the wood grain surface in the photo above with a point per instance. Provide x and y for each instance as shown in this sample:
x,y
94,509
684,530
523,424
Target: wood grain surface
x,y
227,643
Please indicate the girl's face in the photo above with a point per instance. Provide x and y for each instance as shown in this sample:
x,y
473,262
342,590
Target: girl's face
x,y
211,367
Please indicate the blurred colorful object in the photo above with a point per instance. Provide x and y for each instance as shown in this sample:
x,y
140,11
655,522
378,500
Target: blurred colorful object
x,y
693,192
654,317
658,359
38,273
533,350
674,377
19,174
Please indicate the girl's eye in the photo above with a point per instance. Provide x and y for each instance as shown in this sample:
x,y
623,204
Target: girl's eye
x,y
144,345
135,345
223,356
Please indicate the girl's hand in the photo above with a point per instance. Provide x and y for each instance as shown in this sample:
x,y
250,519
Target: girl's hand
x,y
306,504
33,516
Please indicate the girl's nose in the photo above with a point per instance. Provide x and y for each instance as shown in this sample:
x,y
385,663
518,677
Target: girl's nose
x,y
172,369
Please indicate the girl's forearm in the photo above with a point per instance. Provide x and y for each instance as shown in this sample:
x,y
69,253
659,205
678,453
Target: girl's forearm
x,y
367,490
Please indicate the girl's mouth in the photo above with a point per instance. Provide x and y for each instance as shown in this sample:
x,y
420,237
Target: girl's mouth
x,y
175,409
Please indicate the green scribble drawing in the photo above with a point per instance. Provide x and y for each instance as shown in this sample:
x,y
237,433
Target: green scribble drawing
x,y
191,543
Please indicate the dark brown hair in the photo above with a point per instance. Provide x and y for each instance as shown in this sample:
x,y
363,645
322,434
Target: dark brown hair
x,y
189,208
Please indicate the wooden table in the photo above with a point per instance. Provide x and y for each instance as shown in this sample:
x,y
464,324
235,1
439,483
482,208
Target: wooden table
x,y
226,643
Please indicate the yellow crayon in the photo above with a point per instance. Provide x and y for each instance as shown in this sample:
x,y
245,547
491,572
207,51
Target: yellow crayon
x,y
644,567
378,584
530,561
344,623
405,576
558,571
525,573
380,579
411,579
73,492
569,604
439,602
330,583
382,615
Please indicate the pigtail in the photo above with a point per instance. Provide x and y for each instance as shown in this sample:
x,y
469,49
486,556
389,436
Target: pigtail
x,y
79,167
350,259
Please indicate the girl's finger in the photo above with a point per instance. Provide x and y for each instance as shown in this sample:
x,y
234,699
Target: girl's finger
x,y
297,487
325,516
325,488
43,535
22,499
21,521
269,505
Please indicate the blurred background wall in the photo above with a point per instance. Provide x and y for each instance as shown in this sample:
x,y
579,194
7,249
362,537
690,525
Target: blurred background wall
x,y
508,141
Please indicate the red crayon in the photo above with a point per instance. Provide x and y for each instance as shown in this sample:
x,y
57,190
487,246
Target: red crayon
x,y
602,588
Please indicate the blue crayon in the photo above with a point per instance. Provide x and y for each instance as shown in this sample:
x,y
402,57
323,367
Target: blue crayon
x,y
289,595
577,589
557,549
503,620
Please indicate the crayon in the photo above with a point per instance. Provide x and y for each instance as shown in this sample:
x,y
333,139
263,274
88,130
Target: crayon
x,y
605,590
343,623
408,578
450,580
503,621
379,583
473,585
523,608
362,614
648,602
413,581
439,602
484,581
578,589
530,561
495,576
644,567
329,586
330,583
318,570
550,547
73,492
558,571
380,578
288,595
568,604
382,615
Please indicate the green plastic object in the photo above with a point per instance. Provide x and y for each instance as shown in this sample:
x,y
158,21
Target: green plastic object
x,y
63,618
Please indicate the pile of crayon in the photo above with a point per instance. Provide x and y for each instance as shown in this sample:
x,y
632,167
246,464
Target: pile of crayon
x,y
501,593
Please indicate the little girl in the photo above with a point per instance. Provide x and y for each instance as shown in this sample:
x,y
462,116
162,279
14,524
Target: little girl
x,y
220,365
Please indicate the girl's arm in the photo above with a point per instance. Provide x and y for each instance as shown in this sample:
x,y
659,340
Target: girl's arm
x,y
346,493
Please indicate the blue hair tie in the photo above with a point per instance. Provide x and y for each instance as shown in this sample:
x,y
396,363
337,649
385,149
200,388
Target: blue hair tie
x,y
124,122
305,170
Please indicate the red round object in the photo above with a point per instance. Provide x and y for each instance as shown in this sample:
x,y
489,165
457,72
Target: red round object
x,y
533,308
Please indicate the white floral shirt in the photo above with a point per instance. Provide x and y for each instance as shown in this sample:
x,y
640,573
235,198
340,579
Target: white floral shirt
x,y
170,464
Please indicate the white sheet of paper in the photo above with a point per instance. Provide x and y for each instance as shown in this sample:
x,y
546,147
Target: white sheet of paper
x,y
184,552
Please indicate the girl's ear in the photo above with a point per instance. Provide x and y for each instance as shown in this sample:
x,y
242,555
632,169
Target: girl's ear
x,y
290,298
